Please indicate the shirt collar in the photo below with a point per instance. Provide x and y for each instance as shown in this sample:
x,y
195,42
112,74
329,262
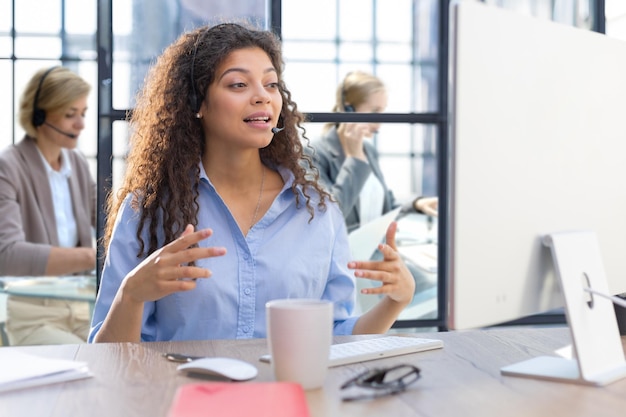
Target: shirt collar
x,y
66,169
286,174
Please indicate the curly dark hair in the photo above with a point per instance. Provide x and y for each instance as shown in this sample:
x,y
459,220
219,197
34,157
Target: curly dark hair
x,y
167,141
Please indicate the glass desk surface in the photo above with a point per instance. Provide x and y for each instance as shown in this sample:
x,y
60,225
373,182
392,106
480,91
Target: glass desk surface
x,y
74,287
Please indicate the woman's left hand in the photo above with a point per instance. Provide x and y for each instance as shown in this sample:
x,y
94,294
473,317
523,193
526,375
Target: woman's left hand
x,y
396,279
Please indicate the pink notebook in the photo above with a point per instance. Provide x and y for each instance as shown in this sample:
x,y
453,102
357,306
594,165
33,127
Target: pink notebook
x,y
235,399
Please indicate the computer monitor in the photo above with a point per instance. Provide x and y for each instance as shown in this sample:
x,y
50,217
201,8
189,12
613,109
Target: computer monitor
x,y
537,145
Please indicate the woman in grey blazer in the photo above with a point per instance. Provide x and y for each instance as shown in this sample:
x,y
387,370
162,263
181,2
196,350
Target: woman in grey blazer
x,y
48,207
348,163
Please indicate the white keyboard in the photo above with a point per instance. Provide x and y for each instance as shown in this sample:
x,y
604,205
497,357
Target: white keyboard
x,y
384,347
370,349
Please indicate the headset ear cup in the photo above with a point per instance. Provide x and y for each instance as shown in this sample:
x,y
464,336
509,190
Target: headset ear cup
x,y
39,117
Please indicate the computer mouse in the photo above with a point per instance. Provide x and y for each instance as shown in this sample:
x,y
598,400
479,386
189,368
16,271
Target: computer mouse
x,y
234,369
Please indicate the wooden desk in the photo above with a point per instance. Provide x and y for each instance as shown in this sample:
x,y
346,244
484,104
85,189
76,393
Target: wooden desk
x,y
462,379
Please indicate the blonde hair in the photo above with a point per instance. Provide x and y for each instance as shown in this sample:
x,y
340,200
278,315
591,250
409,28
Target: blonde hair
x,y
354,90
59,89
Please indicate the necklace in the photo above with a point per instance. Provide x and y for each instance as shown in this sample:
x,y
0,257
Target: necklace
x,y
258,203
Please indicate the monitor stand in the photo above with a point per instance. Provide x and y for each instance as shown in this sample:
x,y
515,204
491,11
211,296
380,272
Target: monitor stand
x,y
597,352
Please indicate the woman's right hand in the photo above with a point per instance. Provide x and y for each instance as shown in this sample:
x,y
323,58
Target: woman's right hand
x,y
166,271
351,136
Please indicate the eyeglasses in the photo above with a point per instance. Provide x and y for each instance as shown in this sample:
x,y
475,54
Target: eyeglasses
x,y
386,381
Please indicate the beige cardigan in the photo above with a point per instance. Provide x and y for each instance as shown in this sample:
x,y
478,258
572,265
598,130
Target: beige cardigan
x,y
27,224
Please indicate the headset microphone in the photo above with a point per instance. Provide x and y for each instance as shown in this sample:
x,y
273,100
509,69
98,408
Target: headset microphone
x,y
275,130
69,135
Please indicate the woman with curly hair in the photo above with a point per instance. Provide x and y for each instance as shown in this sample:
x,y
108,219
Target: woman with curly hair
x,y
214,188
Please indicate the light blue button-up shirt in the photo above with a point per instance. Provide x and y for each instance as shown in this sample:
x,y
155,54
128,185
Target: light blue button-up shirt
x,y
283,256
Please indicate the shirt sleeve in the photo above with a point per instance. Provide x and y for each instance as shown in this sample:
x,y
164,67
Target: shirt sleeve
x,y
347,184
17,256
120,260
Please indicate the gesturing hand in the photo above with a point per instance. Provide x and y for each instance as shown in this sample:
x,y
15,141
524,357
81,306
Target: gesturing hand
x,y
397,282
166,271
351,136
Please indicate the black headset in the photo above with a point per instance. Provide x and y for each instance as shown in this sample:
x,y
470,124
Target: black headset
x,y
195,100
193,97
348,108
39,115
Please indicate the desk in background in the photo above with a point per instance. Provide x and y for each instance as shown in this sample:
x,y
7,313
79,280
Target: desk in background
x,y
463,378
70,288
417,243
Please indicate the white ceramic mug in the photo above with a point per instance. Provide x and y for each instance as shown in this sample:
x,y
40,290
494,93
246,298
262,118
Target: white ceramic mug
x,y
299,335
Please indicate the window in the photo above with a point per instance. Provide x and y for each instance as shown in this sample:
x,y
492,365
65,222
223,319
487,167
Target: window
x,y
60,32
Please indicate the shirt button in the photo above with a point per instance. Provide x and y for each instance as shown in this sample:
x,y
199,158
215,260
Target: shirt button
x,y
245,256
247,291
246,329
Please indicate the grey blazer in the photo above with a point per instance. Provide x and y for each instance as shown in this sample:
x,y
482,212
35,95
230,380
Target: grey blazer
x,y
344,177
27,223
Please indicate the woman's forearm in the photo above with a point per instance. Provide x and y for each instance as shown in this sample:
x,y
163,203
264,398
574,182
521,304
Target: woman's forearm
x,y
65,261
380,318
123,322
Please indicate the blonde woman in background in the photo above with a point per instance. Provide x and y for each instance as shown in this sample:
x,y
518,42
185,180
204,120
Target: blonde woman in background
x,y
48,206
348,162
